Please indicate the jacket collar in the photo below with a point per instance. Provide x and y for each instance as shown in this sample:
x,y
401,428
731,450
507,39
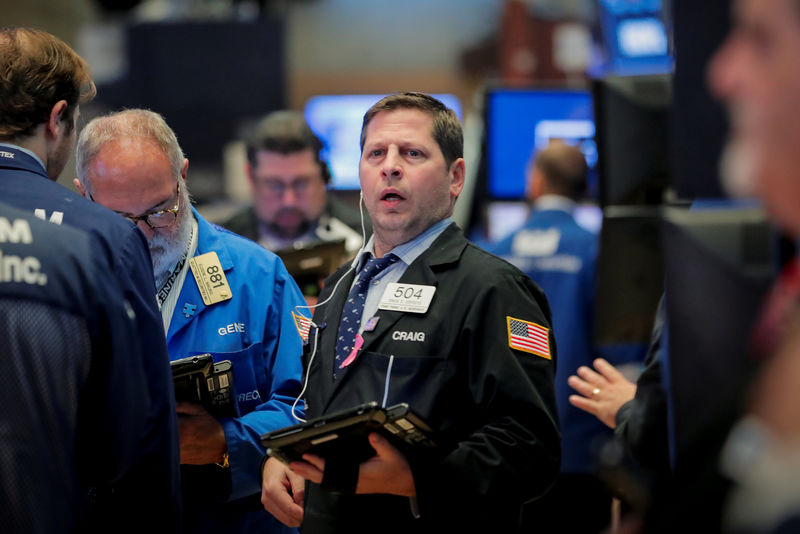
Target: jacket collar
x,y
14,157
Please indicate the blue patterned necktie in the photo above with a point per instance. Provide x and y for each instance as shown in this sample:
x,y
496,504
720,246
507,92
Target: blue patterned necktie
x,y
354,307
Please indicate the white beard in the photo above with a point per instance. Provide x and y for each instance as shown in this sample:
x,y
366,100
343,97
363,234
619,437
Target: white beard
x,y
737,170
167,250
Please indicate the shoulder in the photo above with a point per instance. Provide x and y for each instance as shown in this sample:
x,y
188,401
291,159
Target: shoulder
x,y
482,265
248,257
55,264
243,223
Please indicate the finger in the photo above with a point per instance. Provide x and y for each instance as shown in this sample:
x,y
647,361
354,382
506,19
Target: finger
x,y
382,447
315,460
281,505
587,405
275,495
307,471
581,386
607,370
298,488
596,379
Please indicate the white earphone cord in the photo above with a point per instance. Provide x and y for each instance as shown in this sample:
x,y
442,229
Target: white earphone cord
x,y
333,292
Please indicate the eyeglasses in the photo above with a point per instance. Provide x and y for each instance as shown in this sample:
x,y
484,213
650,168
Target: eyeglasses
x,y
157,219
276,188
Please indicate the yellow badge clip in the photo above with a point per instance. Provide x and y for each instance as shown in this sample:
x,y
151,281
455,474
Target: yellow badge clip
x,y
210,278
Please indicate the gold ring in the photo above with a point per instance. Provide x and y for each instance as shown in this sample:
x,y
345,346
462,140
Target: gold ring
x,y
595,392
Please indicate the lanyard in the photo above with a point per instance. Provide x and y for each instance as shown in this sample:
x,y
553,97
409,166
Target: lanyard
x,y
169,283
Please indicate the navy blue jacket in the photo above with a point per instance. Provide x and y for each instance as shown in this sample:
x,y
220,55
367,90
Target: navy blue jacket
x,y
24,184
71,384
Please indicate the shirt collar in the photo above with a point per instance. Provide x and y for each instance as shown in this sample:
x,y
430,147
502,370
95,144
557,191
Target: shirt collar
x,y
407,252
554,202
26,151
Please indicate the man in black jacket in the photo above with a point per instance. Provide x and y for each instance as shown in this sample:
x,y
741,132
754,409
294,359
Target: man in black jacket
x,y
461,336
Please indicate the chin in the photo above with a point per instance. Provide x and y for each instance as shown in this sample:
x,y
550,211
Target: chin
x,y
738,170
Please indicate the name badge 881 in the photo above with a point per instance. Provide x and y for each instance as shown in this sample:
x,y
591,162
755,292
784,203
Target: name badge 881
x,y
410,298
210,278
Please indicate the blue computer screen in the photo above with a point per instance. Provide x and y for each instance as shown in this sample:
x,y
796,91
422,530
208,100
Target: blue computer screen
x,y
635,37
337,119
521,121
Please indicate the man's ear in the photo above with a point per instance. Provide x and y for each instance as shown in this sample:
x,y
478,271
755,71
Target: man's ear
x,y
457,177
536,184
185,168
55,122
79,186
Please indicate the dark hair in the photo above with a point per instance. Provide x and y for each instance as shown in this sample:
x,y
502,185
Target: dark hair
x,y
564,168
446,127
285,132
37,70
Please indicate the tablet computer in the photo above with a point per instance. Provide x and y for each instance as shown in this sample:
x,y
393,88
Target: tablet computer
x,y
344,434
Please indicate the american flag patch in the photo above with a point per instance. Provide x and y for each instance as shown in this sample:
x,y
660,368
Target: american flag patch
x,y
528,337
303,325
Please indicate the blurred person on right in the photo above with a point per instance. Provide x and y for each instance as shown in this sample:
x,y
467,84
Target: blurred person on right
x,y
289,180
559,255
757,74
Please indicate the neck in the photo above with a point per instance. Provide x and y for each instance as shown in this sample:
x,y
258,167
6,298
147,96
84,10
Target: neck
x,y
383,246
35,143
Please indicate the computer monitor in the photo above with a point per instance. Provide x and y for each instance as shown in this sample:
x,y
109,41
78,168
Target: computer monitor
x,y
632,114
337,119
629,280
635,37
520,122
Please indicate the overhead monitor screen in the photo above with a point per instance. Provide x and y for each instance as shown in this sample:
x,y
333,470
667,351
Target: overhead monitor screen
x,y
521,122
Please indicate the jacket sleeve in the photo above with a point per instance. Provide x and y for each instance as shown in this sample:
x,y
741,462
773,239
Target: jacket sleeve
x,y
156,473
512,452
281,357
642,422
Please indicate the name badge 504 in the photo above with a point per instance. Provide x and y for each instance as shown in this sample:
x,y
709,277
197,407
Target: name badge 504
x,y
410,298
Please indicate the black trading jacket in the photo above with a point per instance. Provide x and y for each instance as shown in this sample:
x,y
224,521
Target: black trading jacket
x,y
492,404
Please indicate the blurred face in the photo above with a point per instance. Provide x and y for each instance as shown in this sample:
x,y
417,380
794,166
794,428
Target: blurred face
x,y
134,178
757,74
288,191
407,185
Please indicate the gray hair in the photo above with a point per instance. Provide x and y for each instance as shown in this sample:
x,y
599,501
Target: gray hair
x,y
129,123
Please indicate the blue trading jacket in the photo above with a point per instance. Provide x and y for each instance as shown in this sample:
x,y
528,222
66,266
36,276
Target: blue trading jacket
x,y
560,256
25,185
256,332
